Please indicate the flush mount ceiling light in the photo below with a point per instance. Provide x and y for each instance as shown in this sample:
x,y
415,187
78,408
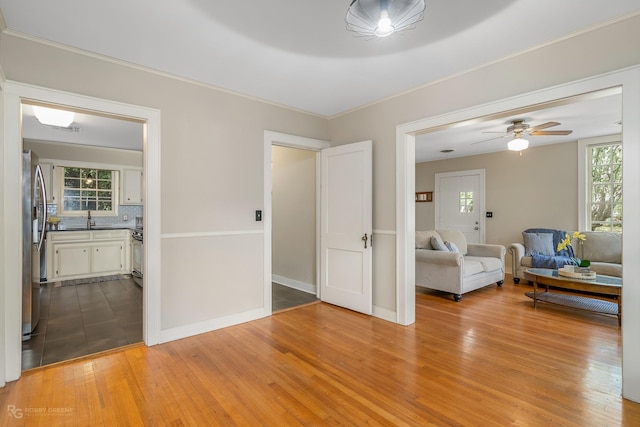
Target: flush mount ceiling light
x,y
382,18
53,117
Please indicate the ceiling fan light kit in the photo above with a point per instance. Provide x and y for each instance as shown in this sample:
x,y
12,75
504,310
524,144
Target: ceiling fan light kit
x,y
519,127
381,18
518,144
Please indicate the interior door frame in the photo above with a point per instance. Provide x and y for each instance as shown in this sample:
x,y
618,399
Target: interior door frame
x,y
481,199
629,80
272,138
13,94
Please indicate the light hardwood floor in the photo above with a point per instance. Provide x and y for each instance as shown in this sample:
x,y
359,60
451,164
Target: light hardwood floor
x,y
490,360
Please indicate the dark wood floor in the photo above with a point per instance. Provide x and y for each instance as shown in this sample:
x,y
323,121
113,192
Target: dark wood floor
x,y
284,297
490,360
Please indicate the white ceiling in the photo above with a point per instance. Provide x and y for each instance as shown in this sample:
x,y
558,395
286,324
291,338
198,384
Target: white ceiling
x,y
297,52
587,116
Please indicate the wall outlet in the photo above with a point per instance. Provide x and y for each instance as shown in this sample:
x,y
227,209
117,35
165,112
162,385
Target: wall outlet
x,y
125,217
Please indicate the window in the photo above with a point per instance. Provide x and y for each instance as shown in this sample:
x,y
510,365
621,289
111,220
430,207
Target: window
x,y
466,201
604,187
88,189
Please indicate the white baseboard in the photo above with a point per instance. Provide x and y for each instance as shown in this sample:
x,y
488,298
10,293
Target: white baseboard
x,y
210,325
295,284
385,314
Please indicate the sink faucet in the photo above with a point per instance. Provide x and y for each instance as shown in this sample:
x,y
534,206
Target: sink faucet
x,y
89,222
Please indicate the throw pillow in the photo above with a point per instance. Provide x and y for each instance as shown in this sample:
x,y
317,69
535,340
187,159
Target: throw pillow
x,y
438,244
452,247
538,243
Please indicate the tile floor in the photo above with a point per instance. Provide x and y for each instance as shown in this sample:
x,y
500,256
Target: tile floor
x,y
89,318
285,297
84,319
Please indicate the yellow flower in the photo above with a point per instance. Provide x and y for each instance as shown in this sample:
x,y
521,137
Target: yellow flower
x,y
578,235
564,243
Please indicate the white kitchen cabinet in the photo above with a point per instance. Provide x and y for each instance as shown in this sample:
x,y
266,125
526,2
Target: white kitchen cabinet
x,y
72,259
50,181
131,193
107,257
87,253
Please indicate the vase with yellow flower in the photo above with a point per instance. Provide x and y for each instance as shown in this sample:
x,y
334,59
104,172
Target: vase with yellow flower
x,y
579,265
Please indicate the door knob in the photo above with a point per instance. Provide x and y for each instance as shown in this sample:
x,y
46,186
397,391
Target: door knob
x,y
476,228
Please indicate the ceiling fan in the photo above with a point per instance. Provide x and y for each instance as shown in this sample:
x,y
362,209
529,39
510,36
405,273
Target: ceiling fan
x,y
519,127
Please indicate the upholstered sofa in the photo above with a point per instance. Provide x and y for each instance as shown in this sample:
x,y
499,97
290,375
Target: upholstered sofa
x,y
471,267
602,249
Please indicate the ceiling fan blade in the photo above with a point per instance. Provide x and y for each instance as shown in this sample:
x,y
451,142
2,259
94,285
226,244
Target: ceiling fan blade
x,y
486,131
552,132
487,140
543,126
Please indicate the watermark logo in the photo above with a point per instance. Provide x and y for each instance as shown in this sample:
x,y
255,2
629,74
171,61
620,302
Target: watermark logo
x,y
16,412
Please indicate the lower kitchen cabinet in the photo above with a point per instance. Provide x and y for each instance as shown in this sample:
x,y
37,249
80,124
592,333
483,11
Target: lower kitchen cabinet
x,y
107,257
91,253
72,259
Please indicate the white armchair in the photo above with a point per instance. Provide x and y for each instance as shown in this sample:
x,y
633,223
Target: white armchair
x,y
473,267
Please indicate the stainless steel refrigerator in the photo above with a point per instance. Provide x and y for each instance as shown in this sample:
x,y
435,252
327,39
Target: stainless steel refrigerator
x,y
34,217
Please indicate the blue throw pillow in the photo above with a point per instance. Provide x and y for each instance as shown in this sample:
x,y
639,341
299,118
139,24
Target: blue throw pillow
x,y
538,243
438,244
452,247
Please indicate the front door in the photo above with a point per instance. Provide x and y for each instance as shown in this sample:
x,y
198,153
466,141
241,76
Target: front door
x,y
346,226
459,203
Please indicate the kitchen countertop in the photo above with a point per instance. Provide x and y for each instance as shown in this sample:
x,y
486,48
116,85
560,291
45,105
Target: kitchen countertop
x,y
98,228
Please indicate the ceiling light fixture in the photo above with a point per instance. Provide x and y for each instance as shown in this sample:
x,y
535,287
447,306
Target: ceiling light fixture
x,y
53,117
382,18
518,144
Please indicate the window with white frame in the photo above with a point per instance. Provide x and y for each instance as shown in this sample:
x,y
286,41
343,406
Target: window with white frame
x,y
604,187
86,189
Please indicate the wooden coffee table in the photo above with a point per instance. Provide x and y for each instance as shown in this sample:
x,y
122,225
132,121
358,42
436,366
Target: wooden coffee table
x,y
602,285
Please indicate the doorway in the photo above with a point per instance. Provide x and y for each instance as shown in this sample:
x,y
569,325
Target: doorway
x,y
293,227
14,94
459,203
405,179
92,171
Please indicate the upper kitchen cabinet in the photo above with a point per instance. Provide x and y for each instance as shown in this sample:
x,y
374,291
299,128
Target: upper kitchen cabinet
x,y
131,183
50,181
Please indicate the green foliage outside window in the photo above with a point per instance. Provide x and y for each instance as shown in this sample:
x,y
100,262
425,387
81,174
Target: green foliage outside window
x,y
605,198
88,189
466,201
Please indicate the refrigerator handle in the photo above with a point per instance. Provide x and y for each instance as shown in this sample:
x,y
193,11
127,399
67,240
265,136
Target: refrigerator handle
x,y
45,214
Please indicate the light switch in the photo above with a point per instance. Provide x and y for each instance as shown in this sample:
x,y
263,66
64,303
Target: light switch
x,y
258,215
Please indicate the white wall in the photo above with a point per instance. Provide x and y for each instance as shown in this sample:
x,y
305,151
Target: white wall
x,y
294,217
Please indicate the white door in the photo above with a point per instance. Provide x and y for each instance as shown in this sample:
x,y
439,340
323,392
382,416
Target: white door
x,y
459,203
346,226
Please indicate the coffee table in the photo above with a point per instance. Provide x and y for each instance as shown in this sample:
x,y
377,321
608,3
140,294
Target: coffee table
x,y
602,285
